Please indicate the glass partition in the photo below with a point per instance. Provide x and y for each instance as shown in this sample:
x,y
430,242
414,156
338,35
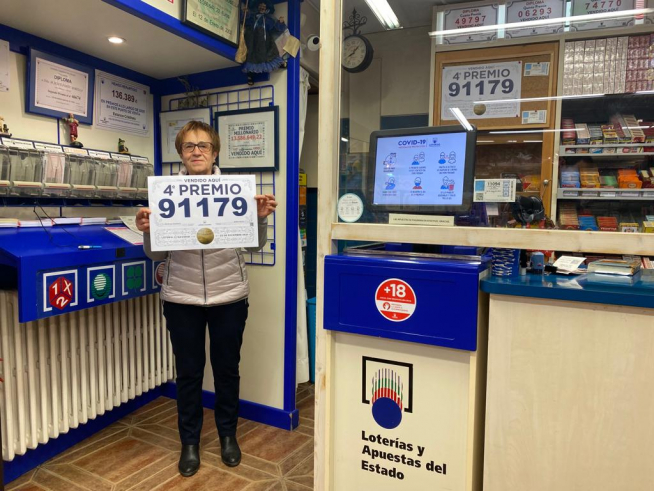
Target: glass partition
x,y
564,130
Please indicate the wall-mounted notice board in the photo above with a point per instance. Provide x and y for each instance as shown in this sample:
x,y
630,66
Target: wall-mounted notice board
x,y
497,88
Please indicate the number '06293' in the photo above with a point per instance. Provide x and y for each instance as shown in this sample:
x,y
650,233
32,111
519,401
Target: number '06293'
x,y
238,206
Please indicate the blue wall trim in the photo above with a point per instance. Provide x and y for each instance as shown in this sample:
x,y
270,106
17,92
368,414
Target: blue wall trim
x,y
213,79
279,418
19,42
286,420
33,458
292,211
160,19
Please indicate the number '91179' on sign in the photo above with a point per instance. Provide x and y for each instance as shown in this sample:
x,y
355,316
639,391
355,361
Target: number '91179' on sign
x,y
202,212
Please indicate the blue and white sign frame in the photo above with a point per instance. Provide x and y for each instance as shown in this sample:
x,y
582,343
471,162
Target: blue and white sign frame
x,y
100,283
57,86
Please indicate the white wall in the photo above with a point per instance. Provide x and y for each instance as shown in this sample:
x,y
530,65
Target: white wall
x,y
309,158
396,83
310,60
262,355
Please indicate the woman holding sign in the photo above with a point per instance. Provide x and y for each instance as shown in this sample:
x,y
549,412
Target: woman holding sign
x,y
200,288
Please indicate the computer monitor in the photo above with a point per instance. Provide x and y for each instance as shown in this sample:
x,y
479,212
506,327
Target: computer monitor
x,y
422,170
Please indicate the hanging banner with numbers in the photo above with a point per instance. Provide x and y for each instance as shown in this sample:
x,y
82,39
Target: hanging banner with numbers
x,y
585,7
530,10
121,105
202,212
485,15
482,91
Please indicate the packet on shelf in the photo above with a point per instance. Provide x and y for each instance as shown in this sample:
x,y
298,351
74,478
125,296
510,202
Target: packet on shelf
x,y
589,177
628,179
607,224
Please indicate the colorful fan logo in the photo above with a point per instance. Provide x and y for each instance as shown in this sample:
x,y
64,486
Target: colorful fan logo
x,y
387,398
387,386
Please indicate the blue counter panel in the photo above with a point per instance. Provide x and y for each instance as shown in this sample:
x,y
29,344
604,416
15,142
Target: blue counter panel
x,y
574,289
55,277
442,305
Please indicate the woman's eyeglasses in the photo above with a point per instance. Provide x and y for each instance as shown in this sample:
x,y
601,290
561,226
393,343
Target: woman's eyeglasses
x,y
189,147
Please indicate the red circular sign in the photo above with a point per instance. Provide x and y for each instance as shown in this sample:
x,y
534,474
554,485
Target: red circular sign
x,y
395,300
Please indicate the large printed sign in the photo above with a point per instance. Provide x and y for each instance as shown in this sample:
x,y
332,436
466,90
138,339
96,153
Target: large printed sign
x,y
529,10
585,7
469,87
202,212
485,15
121,105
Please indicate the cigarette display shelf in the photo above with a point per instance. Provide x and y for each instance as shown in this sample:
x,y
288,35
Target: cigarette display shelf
x,y
619,150
606,194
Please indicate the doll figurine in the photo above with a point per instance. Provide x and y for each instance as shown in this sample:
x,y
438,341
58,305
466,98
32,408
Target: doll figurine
x,y
121,146
261,30
4,129
72,125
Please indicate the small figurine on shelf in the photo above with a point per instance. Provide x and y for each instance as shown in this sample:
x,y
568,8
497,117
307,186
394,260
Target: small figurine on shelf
x,y
72,125
4,130
121,146
261,31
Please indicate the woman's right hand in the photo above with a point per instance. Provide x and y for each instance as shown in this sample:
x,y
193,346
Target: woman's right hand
x,y
143,220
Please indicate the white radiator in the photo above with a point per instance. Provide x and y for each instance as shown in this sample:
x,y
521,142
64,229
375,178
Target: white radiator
x,y
59,372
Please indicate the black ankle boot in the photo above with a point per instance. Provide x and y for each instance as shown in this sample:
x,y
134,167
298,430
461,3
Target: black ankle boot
x,y
189,460
229,451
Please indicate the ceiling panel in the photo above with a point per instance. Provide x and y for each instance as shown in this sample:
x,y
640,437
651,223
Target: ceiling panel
x,y
84,25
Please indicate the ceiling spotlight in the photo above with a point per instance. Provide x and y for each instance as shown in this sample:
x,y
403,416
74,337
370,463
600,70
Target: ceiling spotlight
x,y
115,40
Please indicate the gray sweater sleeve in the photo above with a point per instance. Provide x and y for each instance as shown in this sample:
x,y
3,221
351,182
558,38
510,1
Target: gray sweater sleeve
x,y
263,235
147,248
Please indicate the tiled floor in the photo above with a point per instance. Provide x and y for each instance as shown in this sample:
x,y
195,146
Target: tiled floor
x,y
140,452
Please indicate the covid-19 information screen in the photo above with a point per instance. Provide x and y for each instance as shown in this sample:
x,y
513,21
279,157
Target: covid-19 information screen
x,y
420,170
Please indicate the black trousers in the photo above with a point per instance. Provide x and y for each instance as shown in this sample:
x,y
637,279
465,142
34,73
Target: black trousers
x,y
187,327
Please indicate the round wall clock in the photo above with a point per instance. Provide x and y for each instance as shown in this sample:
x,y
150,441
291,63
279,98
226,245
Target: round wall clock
x,y
357,53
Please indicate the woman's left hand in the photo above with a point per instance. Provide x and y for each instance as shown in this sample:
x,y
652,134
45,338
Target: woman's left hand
x,y
266,204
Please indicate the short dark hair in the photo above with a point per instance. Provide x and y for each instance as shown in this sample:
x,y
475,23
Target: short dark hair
x,y
197,126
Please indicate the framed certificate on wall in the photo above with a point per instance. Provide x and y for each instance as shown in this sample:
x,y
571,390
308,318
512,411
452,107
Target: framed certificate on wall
x,y
173,121
57,87
248,139
217,18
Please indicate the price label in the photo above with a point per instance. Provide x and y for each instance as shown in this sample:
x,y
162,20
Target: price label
x,y
482,91
22,144
485,15
495,190
48,147
99,154
586,7
202,212
518,12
